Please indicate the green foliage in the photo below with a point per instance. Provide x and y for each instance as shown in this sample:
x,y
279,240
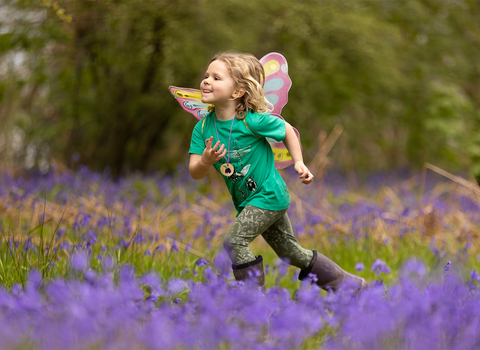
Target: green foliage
x,y
401,77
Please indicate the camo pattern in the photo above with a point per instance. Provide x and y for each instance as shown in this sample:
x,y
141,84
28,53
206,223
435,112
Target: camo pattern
x,y
276,229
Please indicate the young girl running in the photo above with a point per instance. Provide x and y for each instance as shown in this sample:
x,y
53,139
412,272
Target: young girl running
x,y
232,139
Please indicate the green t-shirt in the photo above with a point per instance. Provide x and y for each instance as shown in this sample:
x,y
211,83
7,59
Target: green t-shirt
x,y
255,181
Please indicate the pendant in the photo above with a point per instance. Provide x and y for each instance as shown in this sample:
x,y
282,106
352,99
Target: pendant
x,y
227,169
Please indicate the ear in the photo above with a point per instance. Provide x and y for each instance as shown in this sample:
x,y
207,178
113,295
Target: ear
x,y
239,92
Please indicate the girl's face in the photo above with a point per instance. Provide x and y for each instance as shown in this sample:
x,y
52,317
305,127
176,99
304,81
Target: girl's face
x,y
218,86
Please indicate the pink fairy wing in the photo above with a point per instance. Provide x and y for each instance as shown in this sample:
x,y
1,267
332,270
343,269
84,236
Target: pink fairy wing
x,y
281,155
277,81
190,100
277,84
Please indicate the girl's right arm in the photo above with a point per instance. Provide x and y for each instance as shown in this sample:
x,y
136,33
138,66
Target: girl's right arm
x,y
199,164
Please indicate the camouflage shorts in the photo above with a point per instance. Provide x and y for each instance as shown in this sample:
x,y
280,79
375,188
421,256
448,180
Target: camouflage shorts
x,y
275,228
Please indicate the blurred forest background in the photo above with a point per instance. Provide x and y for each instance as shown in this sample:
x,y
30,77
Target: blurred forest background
x,y
85,81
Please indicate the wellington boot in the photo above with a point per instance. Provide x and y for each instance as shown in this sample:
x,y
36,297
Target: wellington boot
x,y
329,275
251,270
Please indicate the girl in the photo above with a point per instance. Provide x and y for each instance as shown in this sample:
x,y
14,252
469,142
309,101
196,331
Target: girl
x,y
232,139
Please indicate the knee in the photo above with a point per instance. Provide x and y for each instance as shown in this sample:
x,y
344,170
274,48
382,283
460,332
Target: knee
x,y
230,243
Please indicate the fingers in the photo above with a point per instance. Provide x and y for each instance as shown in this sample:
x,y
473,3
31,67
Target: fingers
x,y
218,151
208,143
308,178
214,153
305,174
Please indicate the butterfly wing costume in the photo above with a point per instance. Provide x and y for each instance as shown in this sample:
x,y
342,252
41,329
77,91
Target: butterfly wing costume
x,y
277,84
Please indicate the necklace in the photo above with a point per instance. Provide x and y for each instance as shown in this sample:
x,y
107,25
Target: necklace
x,y
226,169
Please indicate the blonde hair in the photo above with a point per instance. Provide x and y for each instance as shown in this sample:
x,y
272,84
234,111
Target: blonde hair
x,y
247,72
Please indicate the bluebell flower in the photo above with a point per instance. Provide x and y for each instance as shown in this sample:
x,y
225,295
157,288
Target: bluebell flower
x,y
65,245
60,233
85,220
79,261
75,157
124,243
34,279
202,262
282,269
447,266
359,266
16,289
108,263
413,269
28,245
474,275
139,239
380,267
159,248
176,286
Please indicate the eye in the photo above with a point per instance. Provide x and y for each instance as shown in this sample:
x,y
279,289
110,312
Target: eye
x,y
217,78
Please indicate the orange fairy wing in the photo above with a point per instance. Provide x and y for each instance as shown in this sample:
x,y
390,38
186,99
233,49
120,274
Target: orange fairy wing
x,y
190,100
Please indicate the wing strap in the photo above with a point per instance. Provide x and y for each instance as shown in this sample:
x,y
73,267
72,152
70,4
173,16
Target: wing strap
x,y
249,128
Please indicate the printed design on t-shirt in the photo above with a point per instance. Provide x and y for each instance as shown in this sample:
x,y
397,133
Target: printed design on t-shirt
x,y
239,153
237,175
242,197
251,184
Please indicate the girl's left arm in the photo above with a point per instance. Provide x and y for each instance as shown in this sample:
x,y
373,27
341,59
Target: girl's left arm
x,y
293,146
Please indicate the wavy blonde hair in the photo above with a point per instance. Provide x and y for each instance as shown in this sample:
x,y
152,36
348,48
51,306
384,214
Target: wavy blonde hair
x,y
247,72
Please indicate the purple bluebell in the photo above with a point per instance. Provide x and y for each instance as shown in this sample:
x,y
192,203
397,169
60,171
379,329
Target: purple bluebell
x,y
359,266
174,247
201,262
380,267
28,245
79,261
447,266
59,234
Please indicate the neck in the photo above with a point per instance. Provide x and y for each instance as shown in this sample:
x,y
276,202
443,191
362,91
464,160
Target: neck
x,y
225,112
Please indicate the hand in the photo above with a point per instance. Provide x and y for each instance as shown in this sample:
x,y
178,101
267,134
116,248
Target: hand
x,y
305,174
211,155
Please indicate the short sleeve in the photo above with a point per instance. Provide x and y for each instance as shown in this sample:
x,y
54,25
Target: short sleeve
x,y
197,143
266,125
